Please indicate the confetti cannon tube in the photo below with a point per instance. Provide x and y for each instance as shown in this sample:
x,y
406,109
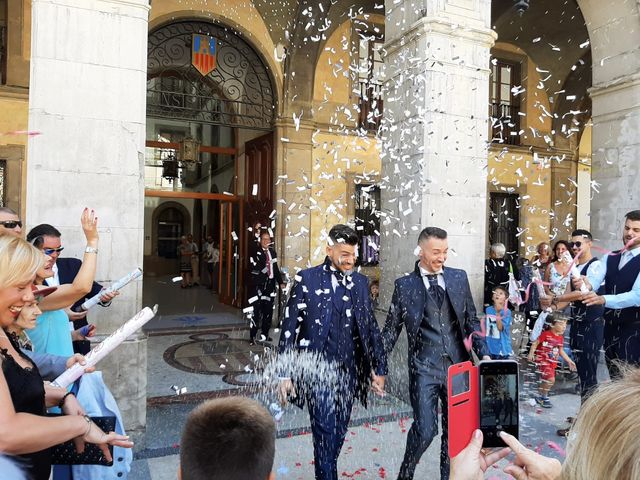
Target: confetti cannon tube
x,y
101,350
117,285
575,273
539,284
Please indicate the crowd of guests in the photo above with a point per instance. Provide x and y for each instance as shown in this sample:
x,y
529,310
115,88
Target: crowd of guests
x,y
192,262
571,316
36,346
330,314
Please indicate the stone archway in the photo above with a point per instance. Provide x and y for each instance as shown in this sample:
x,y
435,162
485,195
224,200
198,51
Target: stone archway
x,y
614,33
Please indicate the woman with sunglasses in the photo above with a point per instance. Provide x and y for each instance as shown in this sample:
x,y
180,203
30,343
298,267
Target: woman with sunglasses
x,y
24,430
52,334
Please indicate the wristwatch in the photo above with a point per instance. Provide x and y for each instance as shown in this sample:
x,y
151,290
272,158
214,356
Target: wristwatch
x,y
91,250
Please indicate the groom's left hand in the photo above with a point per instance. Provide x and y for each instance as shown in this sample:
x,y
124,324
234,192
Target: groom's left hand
x,y
377,384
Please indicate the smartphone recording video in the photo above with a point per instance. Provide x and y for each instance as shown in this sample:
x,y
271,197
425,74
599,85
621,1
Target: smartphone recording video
x,y
498,400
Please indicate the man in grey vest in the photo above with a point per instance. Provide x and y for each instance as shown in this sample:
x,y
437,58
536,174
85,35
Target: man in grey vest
x,y
435,306
621,299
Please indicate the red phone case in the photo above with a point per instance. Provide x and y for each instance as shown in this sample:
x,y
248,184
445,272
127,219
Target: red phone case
x,y
464,409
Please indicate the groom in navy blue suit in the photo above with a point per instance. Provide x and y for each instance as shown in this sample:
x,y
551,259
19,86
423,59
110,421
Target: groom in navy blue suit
x,y
435,306
329,314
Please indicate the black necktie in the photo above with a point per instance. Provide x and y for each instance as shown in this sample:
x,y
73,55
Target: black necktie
x,y
436,290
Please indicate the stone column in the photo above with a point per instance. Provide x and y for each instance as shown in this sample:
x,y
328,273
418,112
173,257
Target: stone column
x,y
616,150
435,153
294,176
88,99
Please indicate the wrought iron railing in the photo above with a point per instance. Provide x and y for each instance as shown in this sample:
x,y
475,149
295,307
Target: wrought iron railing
x,y
370,105
505,123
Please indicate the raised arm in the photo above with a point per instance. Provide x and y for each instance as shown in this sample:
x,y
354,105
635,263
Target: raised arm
x,y
66,295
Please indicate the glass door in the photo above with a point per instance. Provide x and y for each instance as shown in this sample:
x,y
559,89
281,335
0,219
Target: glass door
x,y
230,276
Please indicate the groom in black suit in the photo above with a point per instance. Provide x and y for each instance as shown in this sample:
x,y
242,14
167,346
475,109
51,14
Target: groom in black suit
x,y
435,306
264,279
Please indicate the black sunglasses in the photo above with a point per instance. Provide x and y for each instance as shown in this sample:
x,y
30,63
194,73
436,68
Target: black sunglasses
x,y
49,251
575,244
11,224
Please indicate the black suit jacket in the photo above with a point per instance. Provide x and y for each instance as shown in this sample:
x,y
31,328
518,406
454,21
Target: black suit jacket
x,y
258,273
407,310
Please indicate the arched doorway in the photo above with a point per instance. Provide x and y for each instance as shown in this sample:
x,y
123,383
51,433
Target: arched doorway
x,y
209,93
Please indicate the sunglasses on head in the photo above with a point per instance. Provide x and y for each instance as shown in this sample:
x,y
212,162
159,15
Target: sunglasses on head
x,y
11,224
49,251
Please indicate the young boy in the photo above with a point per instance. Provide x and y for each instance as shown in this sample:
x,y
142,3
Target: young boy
x,y
498,325
550,343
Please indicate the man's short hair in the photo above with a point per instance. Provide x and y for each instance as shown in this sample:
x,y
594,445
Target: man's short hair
x,y
343,234
633,215
8,210
582,233
43,230
432,232
228,439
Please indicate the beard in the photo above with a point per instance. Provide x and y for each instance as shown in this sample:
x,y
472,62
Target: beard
x,y
339,266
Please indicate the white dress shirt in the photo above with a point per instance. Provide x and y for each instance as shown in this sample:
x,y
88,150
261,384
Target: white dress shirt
x,y
425,280
55,280
621,300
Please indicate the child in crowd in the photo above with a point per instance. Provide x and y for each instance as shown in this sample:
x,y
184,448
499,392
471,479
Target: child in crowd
x,y
498,325
546,351
374,292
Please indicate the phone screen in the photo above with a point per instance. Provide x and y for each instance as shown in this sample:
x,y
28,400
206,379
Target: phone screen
x,y
498,400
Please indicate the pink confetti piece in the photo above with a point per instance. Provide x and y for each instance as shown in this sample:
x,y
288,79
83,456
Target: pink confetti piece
x,y
29,133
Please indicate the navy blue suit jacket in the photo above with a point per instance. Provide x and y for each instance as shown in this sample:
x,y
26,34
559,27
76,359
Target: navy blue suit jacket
x,y
308,316
407,310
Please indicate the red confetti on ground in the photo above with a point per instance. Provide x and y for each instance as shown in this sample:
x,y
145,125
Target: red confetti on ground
x,y
298,464
557,448
382,472
358,472
374,449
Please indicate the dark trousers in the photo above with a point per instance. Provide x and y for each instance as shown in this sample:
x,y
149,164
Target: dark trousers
x,y
586,341
262,314
621,344
330,410
425,391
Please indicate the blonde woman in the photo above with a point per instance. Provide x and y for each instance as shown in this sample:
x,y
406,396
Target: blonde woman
x,y
24,430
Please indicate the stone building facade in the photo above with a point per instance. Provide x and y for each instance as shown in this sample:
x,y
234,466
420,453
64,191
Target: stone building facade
x,y
318,112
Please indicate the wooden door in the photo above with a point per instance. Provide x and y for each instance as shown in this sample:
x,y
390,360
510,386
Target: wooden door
x,y
258,192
